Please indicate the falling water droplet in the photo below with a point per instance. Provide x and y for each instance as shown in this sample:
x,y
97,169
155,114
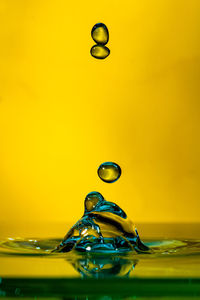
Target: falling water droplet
x,y
109,172
99,51
100,33
92,199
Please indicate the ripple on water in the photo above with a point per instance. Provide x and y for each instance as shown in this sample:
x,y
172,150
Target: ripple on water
x,y
42,247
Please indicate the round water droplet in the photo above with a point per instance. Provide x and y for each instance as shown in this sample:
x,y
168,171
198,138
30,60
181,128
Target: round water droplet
x,y
92,199
109,172
100,33
99,51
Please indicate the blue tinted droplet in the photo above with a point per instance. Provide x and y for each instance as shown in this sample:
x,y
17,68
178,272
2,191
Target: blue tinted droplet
x,y
91,200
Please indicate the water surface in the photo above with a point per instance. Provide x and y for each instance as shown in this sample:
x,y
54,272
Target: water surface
x,y
29,269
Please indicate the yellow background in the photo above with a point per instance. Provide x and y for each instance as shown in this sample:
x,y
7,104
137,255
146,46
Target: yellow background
x,y
63,113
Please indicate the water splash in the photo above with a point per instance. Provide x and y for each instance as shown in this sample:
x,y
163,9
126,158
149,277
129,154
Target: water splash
x,y
103,228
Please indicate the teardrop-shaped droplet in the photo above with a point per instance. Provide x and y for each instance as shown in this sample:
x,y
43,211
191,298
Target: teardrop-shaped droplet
x,y
100,52
109,172
92,199
100,33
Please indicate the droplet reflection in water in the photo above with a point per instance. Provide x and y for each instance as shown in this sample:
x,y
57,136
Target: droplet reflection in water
x,y
100,34
109,172
99,51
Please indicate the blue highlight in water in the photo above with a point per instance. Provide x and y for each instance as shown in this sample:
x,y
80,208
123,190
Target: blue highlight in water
x,y
103,228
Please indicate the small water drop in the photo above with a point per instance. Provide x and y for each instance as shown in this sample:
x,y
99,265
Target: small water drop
x,y
92,199
109,172
100,33
99,51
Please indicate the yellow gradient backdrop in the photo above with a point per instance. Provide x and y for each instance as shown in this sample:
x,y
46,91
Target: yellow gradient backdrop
x,y
62,112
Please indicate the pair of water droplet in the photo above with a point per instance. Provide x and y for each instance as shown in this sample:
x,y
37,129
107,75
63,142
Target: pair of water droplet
x,y
100,35
108,172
